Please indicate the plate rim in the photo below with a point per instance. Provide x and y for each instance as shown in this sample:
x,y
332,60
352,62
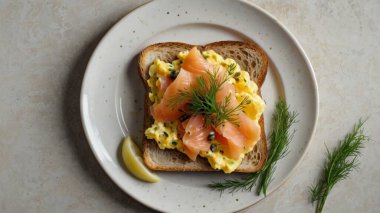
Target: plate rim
x,y
272,18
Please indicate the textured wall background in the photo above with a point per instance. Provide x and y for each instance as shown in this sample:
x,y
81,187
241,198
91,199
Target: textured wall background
x,y
46,164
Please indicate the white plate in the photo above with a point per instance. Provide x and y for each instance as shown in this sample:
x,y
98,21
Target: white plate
x,y
112,94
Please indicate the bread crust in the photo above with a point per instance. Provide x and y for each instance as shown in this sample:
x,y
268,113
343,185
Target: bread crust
x,y
173,160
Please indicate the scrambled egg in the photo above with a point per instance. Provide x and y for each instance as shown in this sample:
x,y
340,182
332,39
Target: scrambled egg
x,y
158,68
165,134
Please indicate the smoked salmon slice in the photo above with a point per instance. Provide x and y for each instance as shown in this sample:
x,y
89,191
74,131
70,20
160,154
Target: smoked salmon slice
x,y
195,138
234,134
250,129
224,91
163,111
233,139
164,83
193,66
195,62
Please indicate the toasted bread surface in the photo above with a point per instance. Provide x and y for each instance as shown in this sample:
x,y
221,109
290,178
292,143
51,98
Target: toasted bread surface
x,y
249,56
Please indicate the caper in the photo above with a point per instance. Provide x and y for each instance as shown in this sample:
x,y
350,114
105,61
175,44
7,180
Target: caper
x,y
213,147
173,73
211,136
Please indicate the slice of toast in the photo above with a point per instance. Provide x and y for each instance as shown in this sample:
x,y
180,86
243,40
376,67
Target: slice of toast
x,y
249,56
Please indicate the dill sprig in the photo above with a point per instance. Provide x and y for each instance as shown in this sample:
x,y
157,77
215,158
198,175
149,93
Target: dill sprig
x,y
340,162
231,68
202,99
280,138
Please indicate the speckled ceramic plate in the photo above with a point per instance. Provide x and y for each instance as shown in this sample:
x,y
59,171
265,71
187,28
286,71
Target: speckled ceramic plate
x,y
112,94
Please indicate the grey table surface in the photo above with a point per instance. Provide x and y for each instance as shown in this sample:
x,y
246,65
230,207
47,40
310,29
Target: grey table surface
x,y
46,164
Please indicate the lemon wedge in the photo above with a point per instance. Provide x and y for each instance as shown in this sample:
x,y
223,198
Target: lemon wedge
x,y
133,161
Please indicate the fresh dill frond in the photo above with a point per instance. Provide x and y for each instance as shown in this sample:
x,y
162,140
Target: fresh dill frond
x,y
201,100
234,185
231,68
280,138
339,164
231,113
